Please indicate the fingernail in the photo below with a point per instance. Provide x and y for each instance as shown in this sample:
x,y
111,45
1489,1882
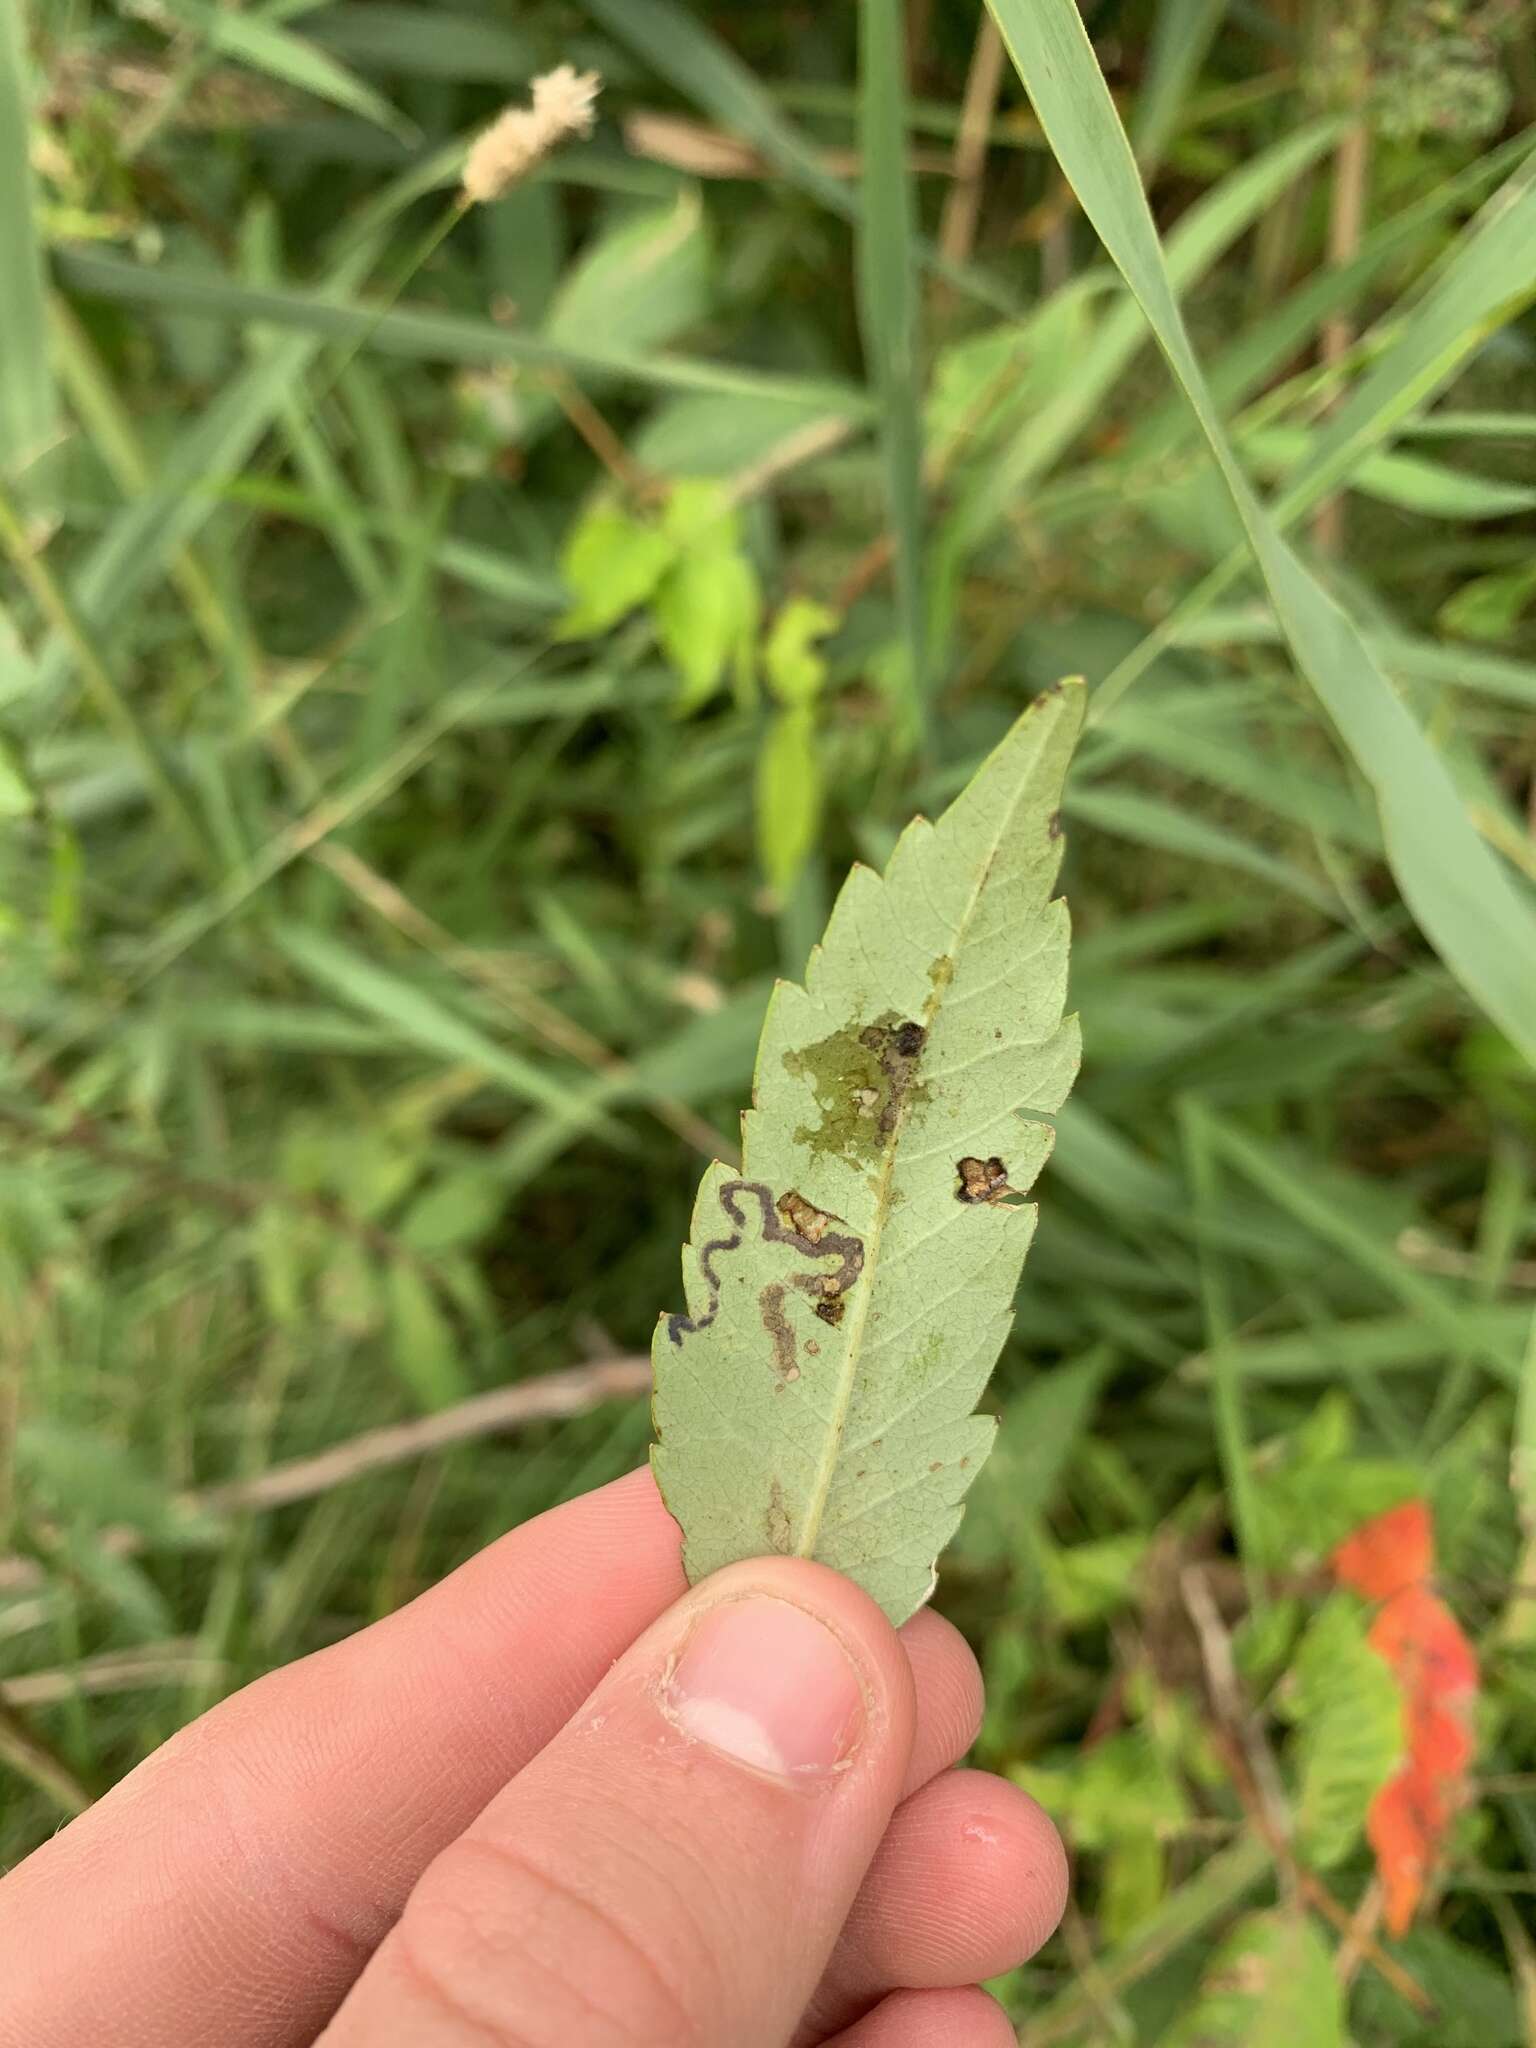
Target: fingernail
x,y
769,1685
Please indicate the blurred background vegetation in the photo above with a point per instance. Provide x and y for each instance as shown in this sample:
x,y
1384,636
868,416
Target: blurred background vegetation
x,y
447,662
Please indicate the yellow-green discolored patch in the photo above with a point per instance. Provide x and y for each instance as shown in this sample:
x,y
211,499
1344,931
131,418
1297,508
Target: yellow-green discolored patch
x,y
861,1077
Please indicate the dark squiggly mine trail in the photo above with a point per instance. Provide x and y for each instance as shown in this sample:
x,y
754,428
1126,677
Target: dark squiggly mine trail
x,y
829,1288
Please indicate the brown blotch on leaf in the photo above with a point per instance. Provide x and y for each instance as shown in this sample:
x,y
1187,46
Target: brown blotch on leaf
x,y
898,1047
832,1308
776,1521
804,1216
776,1323
982,1180
1056,827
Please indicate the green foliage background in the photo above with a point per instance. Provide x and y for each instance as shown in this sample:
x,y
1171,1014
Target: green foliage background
x,y
447,664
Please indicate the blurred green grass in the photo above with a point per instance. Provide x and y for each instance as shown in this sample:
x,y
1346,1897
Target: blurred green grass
x,y
380,962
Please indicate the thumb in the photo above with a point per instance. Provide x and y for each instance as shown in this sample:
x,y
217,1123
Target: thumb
x,y
676,1866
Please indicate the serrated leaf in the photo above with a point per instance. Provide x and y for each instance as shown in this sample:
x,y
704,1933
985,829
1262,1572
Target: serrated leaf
x,y
849,1289
1351,1735
1271,1985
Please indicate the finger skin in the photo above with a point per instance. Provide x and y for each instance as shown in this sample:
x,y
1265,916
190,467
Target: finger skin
x,y
237,1882
658,1878
932,2019
969,1881
949,1696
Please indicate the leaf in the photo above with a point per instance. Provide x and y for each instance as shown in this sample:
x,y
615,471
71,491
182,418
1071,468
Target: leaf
x,y
1351,1736
1421,1642
706,614
1490,607
796,672
424,1348
789,796
1466,902
1387,1554
849,1290
612,564
1087,1581
1120,1788
1270,1985
709,604
640,285
1041,1430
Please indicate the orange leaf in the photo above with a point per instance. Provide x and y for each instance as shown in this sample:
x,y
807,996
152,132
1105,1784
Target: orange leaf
x,y
1387,1554
1391,1559
1422,1640
1403,1838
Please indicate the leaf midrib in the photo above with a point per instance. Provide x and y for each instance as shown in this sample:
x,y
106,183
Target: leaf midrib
x,y
826,1471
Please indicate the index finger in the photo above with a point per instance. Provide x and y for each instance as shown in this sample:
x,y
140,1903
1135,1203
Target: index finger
x,y
232,1888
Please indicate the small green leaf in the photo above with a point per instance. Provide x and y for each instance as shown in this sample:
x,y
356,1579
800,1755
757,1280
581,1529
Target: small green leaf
x,y
848,1290
1490,607
1133,1886
708,607
1270,1985
424,1347
458,1210
1122,1788
1091,1580
1348,1712
18,799
789,796
612,565
640,284
795,669
701,513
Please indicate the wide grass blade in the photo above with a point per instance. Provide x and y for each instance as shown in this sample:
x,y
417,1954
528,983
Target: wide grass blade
x,y
1469,907
888,306
438,337
26,386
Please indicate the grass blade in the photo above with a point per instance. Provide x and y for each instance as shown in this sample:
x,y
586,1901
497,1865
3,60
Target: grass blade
x,y
1202,237
1181,42
440,337
289,58
26,386
419,1019
1467,904
662,34
888,305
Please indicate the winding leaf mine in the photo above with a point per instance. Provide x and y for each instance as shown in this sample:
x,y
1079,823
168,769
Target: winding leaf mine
x,y
849,1290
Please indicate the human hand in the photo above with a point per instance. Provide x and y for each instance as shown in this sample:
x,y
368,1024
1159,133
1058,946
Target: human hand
x,y
462,1829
